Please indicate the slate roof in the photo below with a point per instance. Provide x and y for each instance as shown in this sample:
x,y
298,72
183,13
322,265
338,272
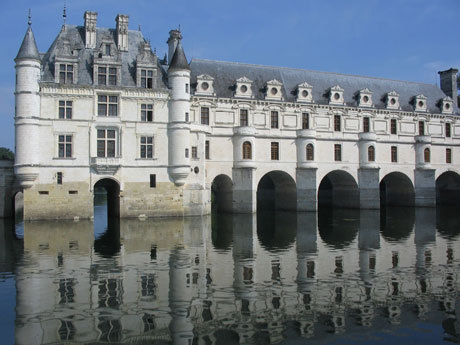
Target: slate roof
x,y
76,35
226,73
179,61
28,49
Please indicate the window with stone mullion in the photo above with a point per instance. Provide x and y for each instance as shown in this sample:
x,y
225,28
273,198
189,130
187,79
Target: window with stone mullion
x,y
65,146
146,147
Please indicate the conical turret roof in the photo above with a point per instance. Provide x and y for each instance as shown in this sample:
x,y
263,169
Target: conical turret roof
x,y
179,61
28,48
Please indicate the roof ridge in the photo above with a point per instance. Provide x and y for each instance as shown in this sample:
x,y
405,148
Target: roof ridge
x,y
308,70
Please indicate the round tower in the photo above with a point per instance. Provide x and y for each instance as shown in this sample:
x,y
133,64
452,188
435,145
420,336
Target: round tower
x,y
27,152
179,109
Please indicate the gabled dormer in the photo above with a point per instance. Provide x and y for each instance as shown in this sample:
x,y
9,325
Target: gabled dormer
x,y
65,63
392,100
273,90
365,98
420,103
447,105
146,67
304,93
336,95
107,64
243,88
204,85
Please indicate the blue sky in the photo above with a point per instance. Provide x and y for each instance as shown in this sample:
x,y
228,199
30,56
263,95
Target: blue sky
x,y
406,39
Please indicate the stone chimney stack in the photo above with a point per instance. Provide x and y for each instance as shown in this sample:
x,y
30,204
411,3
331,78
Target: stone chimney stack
x,y
174,37
90,29
449,83
122,31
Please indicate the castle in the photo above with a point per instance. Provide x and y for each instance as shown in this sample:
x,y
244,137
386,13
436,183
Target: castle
x,y
99,109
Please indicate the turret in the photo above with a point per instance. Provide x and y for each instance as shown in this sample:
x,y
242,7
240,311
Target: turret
x,y
179,109
28,67
174,38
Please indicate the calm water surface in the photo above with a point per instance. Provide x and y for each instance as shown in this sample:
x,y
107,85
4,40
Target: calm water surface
x,y
333,277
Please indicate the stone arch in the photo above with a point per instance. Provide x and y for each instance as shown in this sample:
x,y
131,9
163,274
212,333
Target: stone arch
x,y
277,190
448,189
396,189
338,188
222,193
111,188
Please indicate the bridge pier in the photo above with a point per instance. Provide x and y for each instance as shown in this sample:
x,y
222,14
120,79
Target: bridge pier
x,y
425,187
369,192
306,189
244,190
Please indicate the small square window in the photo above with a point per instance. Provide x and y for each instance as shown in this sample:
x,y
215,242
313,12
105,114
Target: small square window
x,y
65,109
394,154
147,112
274,120
338,152
393,126
337,126
275,151
305,121
153,180
204,115
194,152
59,177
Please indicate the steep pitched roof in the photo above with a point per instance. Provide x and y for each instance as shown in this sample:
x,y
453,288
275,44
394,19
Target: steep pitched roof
x,y
28,49
179,61
226,73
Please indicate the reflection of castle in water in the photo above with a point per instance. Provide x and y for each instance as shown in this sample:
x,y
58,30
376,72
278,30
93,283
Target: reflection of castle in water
x,y
244,278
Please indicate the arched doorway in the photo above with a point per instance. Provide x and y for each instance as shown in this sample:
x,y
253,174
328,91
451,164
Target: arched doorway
x,y
107,217
338,189
396,189
448,189
222,194
277,191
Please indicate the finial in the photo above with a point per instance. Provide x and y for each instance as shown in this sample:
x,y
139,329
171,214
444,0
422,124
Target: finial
x,y
139,27
64,14
179,27
155,51
30,19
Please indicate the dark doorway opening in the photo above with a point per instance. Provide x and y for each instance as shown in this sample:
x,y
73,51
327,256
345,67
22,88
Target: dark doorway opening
x,y
396,189
222,194
338,189
276,191
448,189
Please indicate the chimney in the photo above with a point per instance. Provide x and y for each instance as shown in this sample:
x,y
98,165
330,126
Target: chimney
x,y
90,29
122,31
449,83
174,37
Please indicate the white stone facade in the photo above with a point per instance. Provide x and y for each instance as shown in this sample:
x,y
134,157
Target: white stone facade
x,y
163,133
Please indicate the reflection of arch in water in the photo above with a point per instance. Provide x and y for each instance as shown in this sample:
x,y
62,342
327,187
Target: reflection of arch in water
x,y
338,228
396,189
277,191
448,189
448,221
396,224
222,230
276,230
222,193
338,189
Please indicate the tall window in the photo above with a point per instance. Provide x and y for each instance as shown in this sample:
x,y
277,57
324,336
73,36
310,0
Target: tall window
x,y
337,123
394,154
371,154
147,112
275,151
106,142
107,76
310,152
146,148
65,109
421,128
247,150
65,146
59,177
194,152
107,105
147,78
366,124
66,73
274,119
393,126
426,155
243,117
107,49
305,121
448,155
204,115
448,130
337,152
153,180
206,149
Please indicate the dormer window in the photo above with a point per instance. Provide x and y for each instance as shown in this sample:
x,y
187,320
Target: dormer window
x,y
447,105
146,78
420,103
336,95
107,49
243,88
66,73
204,85
392,100
273,88
365,98
304,93
107,76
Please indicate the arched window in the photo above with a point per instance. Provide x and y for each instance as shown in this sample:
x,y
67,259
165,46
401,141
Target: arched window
x,y
310,152
371,154
426,155
247,150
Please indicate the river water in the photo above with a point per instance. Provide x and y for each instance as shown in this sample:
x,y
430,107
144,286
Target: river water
x,y
333,277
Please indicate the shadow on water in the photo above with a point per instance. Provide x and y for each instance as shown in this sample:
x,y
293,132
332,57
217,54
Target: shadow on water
x,y
106,229
338,228
447,221
396,223
222,230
